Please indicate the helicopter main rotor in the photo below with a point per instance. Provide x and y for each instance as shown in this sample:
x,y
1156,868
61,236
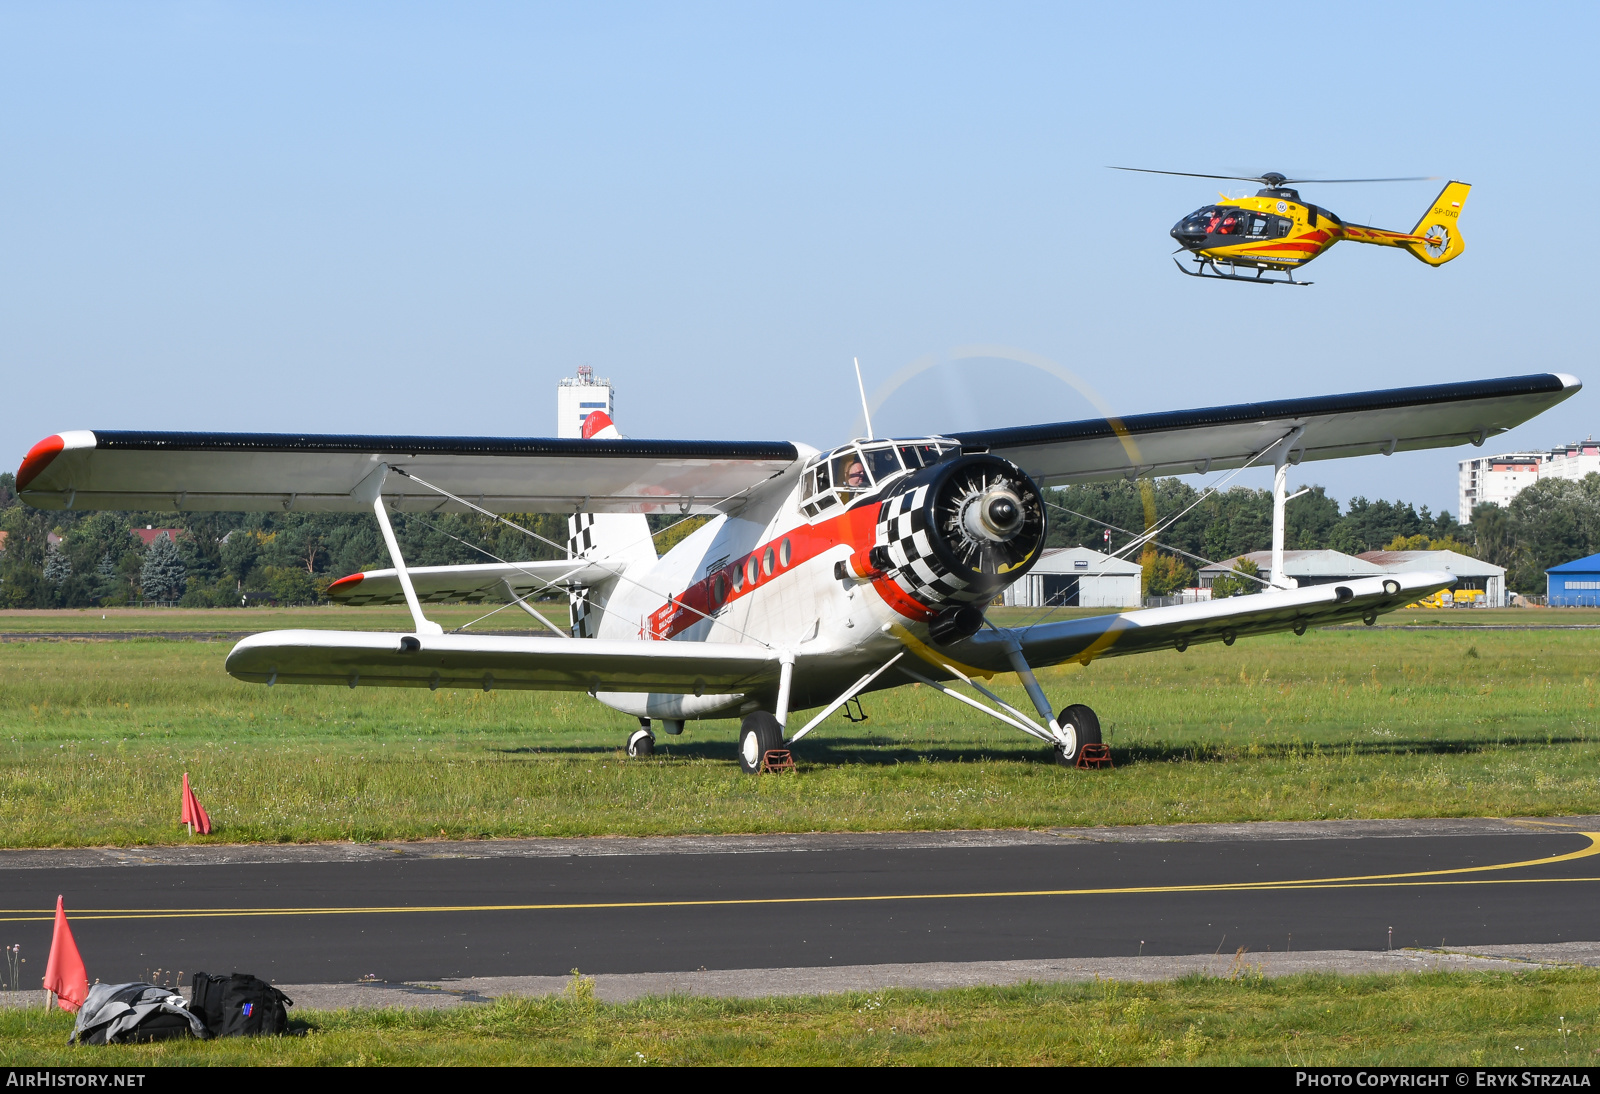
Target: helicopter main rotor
x,y
1271,179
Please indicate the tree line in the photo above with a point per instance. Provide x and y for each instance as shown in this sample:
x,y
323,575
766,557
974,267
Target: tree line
x,y
225,559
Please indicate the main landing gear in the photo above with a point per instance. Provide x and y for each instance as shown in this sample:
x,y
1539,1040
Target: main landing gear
x,y
1083,725
759,734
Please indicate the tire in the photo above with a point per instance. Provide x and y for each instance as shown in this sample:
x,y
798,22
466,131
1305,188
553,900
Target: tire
x,y
1084,720
759,733
1085,730
642,745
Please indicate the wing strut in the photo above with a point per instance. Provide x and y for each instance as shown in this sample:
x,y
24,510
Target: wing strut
x,y
370,491
522,602
850,693
1015,718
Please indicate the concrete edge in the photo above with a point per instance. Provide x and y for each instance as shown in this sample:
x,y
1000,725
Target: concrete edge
x,y
222,854
930,976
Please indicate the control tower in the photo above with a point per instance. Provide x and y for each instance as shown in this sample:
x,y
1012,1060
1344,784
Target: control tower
x,y
577,396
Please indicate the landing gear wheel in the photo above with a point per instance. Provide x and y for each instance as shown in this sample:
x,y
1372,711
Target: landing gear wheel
x,y
642,745
759,734
1082,726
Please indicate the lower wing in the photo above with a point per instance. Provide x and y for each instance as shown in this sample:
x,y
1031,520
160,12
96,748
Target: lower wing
x,y
483,661
1185,625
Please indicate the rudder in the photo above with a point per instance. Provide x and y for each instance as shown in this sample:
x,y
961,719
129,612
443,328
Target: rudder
x,y
1440,226
618,537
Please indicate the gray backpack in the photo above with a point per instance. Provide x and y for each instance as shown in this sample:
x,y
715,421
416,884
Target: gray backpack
x,y
119,1014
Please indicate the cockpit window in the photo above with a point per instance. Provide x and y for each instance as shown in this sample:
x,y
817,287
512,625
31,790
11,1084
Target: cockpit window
x,y
849,470
882,463
1229,220
847,473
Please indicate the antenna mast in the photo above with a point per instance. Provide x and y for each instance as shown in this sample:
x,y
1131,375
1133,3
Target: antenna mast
x,y
865,413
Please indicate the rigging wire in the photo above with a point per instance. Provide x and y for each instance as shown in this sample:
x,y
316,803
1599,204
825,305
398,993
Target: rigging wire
x,y
618,574
1148,536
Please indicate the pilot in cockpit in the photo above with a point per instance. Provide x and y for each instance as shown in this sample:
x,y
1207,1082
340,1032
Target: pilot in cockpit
x,y
855,476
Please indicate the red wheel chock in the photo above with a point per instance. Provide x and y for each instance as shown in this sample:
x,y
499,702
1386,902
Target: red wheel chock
x,y
1092,756
776,760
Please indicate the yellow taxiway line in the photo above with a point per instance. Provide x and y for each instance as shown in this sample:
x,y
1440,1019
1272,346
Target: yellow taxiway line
x,y
1417,878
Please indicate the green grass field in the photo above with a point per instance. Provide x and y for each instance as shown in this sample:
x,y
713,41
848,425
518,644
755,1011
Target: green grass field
x,y
1350,722
1449,1019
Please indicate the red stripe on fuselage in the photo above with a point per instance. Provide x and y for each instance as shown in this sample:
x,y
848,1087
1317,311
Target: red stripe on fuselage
x,y
857,528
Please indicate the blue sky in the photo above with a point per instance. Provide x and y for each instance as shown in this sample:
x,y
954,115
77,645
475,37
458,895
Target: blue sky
x,y
415,218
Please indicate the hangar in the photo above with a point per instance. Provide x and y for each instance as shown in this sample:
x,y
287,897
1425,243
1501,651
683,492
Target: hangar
x,y
1574,584
1077,577
1303,567
1478,582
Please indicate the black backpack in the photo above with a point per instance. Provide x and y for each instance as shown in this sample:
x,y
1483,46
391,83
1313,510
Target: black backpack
x,y
239,1005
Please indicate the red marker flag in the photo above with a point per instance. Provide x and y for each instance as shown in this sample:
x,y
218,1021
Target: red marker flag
x,y
193,814
64,973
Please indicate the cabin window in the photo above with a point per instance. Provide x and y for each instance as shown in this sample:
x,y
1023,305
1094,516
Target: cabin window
x,y
738,578
766,562
783,553
719,591
751,572
1266,226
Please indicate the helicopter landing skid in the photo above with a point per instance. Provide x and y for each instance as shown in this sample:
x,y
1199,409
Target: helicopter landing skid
x,y
1216,274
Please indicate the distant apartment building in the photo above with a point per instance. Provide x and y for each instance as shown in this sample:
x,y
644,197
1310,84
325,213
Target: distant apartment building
x,y
1498,479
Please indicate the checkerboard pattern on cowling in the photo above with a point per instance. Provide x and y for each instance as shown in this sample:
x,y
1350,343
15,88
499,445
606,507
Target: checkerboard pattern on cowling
x,y
903,530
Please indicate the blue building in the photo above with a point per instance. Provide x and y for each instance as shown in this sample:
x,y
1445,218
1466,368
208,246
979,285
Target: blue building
x,y
1574,584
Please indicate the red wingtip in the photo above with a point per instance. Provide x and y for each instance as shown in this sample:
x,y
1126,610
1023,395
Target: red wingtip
x,y
38,458
344,584
595,422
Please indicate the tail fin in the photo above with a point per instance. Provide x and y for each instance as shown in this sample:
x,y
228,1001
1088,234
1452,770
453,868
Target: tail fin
x,y
1440,226
614,537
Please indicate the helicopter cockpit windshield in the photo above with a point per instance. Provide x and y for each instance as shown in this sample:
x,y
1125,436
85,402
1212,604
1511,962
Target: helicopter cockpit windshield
x,y
833,480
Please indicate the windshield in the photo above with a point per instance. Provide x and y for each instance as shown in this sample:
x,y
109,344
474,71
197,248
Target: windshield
x,y
855,470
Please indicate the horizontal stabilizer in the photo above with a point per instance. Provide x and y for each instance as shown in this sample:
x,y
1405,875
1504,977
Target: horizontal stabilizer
x,y
366,658
1187,625
486,581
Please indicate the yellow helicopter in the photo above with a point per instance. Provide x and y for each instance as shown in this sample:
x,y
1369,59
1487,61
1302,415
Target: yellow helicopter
x,y
1278,231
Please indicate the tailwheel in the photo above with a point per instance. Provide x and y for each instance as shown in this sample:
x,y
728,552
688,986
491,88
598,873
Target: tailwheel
x,y
759,734
1082,727
642,745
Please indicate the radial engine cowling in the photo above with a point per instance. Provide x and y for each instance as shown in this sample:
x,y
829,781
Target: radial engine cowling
x,y
956,535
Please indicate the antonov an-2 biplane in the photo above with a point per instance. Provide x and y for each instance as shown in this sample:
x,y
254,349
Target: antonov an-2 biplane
x,y
821,575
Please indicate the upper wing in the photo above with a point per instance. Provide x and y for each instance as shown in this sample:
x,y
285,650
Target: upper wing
x,y
472,582
1186,625
83,469
1186,441
487,661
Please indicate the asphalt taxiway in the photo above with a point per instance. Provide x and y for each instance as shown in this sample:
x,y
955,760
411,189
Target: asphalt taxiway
x,y
833,911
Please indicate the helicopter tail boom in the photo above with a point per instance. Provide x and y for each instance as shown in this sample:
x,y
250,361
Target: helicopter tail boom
x,y
1439,226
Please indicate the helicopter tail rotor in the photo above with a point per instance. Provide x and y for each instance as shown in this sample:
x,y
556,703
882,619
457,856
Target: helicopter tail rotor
x,y
1440,226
